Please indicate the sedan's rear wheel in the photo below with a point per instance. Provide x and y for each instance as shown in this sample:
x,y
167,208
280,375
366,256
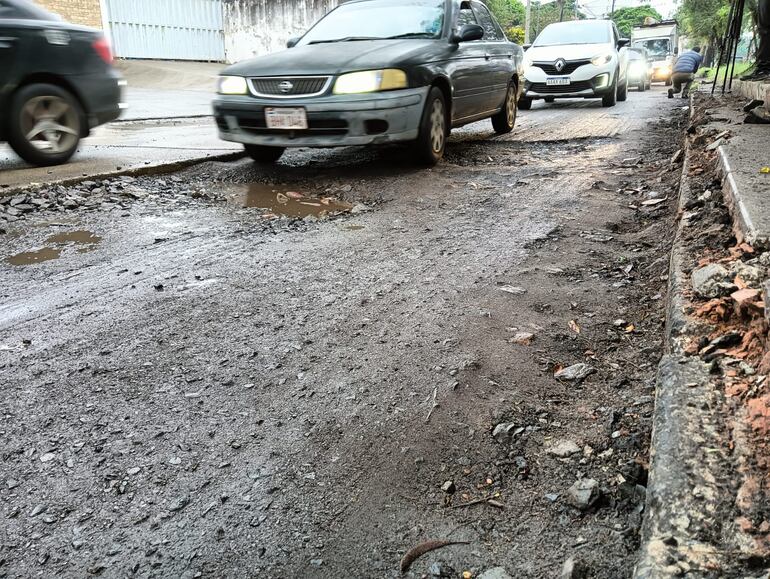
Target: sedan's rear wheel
x,y
45,124
431,142
264,154
504,121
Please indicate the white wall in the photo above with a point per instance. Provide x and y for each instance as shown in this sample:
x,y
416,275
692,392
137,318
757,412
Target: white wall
x,y
256,27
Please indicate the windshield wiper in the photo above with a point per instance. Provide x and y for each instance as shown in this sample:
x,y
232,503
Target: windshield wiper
x,y
346,39
412,35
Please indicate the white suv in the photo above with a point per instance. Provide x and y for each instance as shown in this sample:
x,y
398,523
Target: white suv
x,y
577,59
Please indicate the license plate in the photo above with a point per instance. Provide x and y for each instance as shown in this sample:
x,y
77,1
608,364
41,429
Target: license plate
x,y
557,81
286,118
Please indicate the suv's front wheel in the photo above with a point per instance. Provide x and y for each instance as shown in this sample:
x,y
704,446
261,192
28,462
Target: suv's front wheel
x,y
611,98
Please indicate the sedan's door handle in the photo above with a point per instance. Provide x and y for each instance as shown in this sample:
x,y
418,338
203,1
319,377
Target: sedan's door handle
x,y
487,56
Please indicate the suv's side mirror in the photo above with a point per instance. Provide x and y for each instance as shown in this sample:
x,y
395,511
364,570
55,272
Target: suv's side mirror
x,y
623,42
468,33
293,42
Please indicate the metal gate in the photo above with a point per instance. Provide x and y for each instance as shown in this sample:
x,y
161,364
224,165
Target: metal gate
x,y
167,29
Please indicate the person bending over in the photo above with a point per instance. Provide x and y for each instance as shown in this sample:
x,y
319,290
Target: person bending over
x,y
685,68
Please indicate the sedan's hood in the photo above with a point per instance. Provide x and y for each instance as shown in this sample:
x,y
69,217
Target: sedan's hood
x,y
337,57
567,52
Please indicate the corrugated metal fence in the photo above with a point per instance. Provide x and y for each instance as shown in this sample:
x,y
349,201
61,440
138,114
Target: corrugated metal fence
x,y
167,29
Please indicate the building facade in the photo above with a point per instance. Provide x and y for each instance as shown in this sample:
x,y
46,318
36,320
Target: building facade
x,y
204,30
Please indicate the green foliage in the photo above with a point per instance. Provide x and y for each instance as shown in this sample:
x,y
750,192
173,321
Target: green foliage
x,y
703,21
627,18
508,12
545,14
515,34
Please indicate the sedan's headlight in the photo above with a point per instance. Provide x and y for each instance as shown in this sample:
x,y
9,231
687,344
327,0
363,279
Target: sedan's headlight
x,y
371,81
232,85
601,59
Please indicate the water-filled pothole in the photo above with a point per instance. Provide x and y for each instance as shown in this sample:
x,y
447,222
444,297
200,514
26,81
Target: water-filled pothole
x,y
284,202
86,240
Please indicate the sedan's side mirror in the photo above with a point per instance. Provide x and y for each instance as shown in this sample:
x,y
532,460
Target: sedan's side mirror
x,y
293,42
468,33
676,50
624,42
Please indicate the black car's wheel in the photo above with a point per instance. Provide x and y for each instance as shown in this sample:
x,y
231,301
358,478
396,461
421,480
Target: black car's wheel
x,y
431,141
45,124
263,154
642,86
504,121
668,82
525,104
623,91
611,98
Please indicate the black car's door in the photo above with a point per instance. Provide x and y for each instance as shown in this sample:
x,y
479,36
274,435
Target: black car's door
x,y
468,66
9,42
498,53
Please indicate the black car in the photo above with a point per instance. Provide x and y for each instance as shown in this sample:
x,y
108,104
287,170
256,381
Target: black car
x,y
56,83
371,72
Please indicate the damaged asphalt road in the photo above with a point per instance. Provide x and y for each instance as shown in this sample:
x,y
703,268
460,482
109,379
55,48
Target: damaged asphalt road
x,y
197,387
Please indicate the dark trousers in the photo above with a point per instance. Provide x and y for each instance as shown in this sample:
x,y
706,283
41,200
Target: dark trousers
x,y
682,78
763,32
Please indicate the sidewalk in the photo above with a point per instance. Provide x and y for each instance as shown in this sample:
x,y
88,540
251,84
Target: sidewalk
x,y
709,483
167,124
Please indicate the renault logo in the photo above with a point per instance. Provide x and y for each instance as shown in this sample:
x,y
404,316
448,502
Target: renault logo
x,y
285,87
559,65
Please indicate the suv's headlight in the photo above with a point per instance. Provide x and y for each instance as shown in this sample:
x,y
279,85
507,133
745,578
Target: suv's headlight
x,y
601,59
232,85
371,81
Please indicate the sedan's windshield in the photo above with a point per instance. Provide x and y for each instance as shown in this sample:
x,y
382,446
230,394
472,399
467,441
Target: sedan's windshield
x,y
377,19
574,33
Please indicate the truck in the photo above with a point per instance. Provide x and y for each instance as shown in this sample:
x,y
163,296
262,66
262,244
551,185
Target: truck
x,y
661,40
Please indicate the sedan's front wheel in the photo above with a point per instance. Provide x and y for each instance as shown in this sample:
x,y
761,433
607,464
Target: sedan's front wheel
x,y
263,154
431,141
44,125
504,121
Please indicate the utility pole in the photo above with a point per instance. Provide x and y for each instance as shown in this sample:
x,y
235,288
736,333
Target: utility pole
x,y
527,22
612,11
561,12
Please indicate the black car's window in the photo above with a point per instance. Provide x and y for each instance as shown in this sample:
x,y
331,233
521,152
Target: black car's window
x,y
491,29
585,32
465,15
379,19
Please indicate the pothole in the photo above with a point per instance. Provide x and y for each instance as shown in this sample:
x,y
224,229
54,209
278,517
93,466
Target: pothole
x,y
85,240
284,202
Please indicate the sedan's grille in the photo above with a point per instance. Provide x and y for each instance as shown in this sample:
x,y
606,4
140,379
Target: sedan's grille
x,y
289,87
542,88
569,67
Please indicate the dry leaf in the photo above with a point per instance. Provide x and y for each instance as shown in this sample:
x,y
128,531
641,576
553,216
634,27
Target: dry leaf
x,y
573,325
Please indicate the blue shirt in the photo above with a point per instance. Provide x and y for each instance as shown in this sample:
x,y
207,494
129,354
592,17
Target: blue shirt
x,y
688,62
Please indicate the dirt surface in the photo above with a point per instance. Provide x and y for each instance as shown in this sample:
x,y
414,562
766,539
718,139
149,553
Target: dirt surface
x,y
197,388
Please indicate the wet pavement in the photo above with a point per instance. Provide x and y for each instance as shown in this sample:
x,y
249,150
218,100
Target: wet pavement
x,y
275,371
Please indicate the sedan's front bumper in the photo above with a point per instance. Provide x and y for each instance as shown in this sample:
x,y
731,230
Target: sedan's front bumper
x,y
333,121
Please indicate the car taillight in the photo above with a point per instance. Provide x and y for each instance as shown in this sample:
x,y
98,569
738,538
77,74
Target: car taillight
x,y
102,48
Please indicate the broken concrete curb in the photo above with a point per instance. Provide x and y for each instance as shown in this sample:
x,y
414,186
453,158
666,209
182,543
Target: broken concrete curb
x,y
682,492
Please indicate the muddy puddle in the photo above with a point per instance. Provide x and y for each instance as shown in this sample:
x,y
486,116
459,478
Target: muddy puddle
x,y
32,257
284,202
85,241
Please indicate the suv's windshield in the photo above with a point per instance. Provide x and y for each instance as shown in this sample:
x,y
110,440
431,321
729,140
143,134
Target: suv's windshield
x,y
574,33
377,19
656,47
